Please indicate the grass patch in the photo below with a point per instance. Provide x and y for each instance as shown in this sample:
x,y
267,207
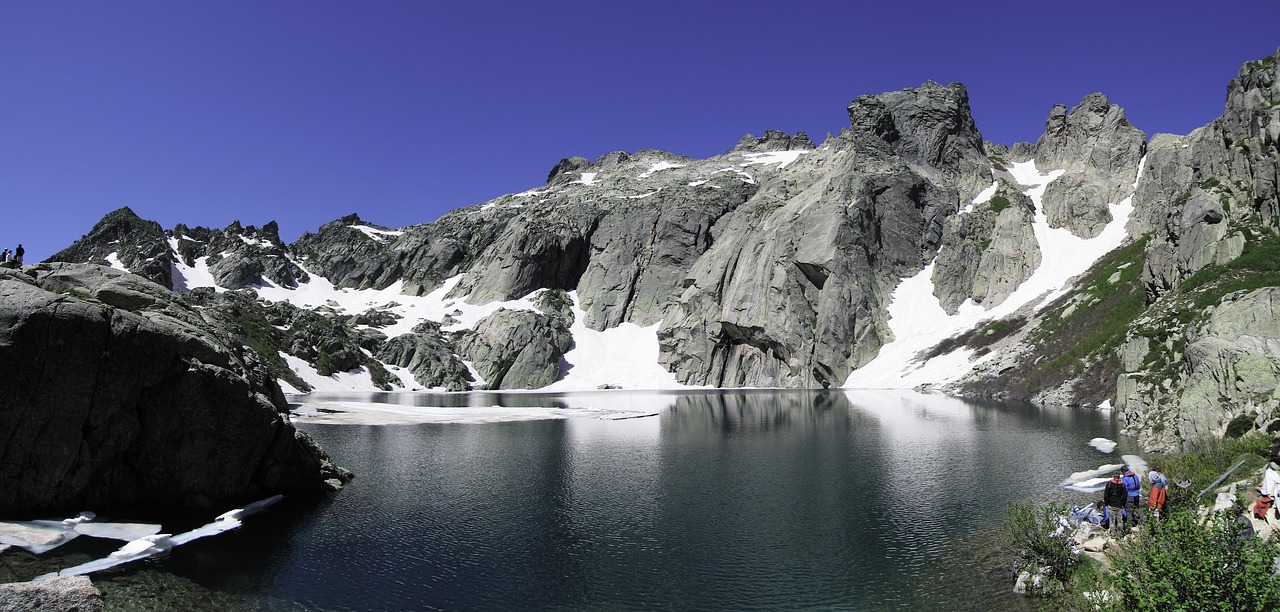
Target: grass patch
x,y
998,204
1257,266
1073,338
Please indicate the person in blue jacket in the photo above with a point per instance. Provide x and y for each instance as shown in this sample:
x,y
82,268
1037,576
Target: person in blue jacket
x,y
1133,489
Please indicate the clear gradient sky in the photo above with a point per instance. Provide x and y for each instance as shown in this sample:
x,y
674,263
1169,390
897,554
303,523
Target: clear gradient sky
x,y
301,112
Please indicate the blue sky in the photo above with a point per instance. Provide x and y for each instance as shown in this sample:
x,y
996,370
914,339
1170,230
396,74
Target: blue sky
x,y
301,112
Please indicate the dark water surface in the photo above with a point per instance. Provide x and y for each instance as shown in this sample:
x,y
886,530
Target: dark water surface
x,y
749,500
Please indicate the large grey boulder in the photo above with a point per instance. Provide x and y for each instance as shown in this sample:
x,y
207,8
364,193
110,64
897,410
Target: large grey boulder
x,y
517,349
64,594
429,356
116,393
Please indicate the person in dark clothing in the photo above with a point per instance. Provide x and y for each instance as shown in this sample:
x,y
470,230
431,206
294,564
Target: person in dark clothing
x,y
17,254
1115,496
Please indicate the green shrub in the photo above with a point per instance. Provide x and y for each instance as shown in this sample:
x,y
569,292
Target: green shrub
x,y
1033,542
1203,461
1240,426
999,203
1182,563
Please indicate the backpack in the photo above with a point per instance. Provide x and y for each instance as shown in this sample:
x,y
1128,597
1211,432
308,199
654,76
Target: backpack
x,y
1131,483
1264,504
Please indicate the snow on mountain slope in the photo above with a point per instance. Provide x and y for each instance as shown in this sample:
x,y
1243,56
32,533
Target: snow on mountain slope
x,y
625,356
919,323
186,278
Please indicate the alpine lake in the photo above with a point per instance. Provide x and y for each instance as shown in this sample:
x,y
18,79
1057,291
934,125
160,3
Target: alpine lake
x,y
712,500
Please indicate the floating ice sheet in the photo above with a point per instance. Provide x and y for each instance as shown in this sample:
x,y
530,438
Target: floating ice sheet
x,y
161,543
1103,444
117,531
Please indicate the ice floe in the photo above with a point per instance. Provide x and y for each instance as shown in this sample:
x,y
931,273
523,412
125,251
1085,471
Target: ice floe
x,y
157,544
1103,445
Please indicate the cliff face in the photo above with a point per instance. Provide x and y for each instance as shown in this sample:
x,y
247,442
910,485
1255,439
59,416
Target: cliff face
x,y
776,263
117,393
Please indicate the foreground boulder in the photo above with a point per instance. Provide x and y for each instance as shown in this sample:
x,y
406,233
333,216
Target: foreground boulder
x,y
117,393
62,593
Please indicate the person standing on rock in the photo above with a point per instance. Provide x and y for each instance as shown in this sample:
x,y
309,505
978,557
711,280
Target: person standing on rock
x,y
1159,485
1114,495
4,255
17,255
1133,495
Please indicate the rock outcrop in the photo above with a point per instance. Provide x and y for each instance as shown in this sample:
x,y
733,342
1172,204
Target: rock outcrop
x,y
429,356
998,236
517,349
66,593
116,393
1099,151
137,244
793,288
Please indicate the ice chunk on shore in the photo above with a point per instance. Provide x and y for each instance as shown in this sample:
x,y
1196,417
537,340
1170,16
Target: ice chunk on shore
x,y
36,537
1091,485
1102,470
161,543
1136,463
118,531
140,548
1104,445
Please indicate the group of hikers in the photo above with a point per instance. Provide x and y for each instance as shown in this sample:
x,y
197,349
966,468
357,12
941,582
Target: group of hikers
x,y
1121,506
14,256
1121,498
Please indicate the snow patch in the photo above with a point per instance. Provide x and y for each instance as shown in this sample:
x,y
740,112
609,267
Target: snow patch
x,y
587,178
379,235
114,260
185,278
782,158
258,242
355,380
983,196
919,323
658,167
625,356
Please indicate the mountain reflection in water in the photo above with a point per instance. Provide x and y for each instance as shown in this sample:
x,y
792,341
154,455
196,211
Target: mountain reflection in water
x,y
743,500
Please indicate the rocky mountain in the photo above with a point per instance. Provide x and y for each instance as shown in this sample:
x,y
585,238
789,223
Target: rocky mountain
x,y
1093,266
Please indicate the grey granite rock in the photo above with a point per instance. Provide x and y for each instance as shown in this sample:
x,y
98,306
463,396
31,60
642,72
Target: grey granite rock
x,y
998,236
64,594
1099,151
117,393
429,356
517,349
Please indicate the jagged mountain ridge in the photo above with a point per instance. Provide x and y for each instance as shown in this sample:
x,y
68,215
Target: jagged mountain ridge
x,y
773,264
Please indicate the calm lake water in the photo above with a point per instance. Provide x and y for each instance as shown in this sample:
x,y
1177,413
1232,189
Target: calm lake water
x,y
746,500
